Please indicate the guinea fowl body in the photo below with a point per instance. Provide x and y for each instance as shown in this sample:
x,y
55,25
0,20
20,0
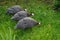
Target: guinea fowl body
x,y
14,9
21,14
26,22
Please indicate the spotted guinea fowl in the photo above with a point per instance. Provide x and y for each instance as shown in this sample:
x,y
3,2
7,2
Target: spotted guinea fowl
x,y
26,22
14,9
21,14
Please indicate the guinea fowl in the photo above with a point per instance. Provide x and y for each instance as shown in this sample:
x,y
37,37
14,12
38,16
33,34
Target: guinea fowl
x,y
21,14
26,22
14,9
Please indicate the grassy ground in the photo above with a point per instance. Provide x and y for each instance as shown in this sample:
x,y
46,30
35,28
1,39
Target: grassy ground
x,y
48,30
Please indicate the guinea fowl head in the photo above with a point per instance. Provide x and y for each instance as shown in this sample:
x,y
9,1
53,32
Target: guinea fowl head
x,y
30,14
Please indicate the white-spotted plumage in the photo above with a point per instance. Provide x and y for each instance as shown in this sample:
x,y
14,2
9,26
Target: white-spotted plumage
x,y
26,22
14,9
20,15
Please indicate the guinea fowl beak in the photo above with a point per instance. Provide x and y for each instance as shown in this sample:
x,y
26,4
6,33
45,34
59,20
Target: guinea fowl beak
x,y
39,23
32,14
25,9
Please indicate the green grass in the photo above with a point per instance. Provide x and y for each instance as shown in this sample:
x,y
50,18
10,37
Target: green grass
x,y
48,30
